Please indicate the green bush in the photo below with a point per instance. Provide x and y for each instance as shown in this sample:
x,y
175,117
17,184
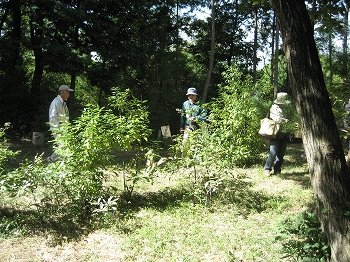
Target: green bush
x,y
230,138
303,239
5,153
87,148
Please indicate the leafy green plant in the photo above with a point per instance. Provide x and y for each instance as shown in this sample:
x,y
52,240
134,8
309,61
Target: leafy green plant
x,y
87,147
103,205
303,239
230,136
5,152
137,169
228,139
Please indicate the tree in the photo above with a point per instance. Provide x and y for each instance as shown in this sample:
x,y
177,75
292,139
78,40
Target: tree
x,y
212,52
345,40
326,17
329,174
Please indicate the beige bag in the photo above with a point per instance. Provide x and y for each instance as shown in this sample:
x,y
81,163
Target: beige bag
x,y
268,128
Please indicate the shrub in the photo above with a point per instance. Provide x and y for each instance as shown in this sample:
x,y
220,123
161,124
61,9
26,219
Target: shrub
x,y
303,239
87,147
229,138
5,153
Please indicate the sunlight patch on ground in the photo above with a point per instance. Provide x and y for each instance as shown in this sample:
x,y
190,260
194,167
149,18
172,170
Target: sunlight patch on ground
x,y
97,246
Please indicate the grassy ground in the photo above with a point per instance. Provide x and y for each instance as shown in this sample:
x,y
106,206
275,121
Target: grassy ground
x,y
167,221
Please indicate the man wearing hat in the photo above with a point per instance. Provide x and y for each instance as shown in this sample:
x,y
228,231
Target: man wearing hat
x,y
278,145
58,113
192,112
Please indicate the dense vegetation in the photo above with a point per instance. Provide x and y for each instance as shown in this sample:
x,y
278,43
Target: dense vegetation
x,y
157,50
130,64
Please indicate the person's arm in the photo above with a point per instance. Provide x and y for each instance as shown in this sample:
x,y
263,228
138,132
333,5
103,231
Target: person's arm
x,y
202,114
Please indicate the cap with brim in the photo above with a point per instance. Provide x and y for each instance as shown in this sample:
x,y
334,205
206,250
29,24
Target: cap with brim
x,y
65,88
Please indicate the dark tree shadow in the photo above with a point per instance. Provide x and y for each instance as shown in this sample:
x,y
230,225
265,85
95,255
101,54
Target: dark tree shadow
x,y
71,222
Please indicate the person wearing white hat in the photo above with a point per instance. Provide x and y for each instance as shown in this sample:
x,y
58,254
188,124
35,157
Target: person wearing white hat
x,y
58,113
278,145
192,112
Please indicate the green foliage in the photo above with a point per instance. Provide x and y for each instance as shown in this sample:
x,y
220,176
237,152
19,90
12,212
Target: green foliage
x,y
5,153
87,147
303,239
234,120
25,179
98,132
339,96
228,139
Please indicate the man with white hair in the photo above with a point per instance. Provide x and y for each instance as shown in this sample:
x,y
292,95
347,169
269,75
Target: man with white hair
x,y
58,113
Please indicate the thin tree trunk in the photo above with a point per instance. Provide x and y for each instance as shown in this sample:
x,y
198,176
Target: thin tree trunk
x,y
275,62
36,35
273,48
177,47
16,34
212,51
255,43
330,59
328,171
345,41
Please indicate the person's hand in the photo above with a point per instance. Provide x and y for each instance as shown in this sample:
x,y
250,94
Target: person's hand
x,y
181,129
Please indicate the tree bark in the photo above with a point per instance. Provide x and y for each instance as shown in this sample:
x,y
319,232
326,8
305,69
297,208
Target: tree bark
x,y
255,47
273,48
212,51
36,36
345,41
16,34
275,61
327,166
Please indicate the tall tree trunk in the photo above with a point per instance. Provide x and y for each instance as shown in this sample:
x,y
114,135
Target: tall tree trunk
x,y
255,43
345,41
212,52
329,174
330,59
16,34
273,48
177,47
36,36
275,61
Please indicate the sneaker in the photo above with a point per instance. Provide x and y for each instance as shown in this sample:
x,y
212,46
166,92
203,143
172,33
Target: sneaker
x,y
267,173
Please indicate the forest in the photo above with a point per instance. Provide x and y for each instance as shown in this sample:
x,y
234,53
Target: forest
x,y
157,50
130,64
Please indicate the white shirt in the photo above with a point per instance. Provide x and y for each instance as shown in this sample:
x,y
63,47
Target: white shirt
x,y
58,112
